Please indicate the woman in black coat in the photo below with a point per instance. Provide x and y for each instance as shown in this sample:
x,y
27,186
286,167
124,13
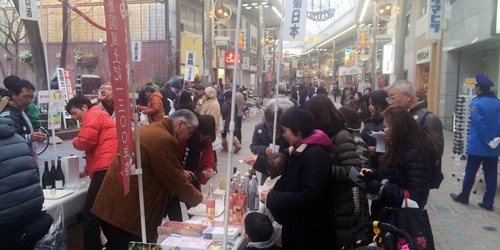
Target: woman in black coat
x,y
302,199
408,164
359,105
374,123
263,137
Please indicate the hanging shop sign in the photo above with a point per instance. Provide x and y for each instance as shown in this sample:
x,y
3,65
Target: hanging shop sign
x,y
294,64
118,67
269,76
388,59
434,19
246,62
424,55
347,60
243,40
230,58
28,10
309,39
136,51
363,39
294,25
222,73
189,66
252,79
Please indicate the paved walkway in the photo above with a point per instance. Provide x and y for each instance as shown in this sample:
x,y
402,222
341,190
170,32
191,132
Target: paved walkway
x,y
455,226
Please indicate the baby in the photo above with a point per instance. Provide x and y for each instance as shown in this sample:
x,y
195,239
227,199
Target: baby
x,y
276,164
259,232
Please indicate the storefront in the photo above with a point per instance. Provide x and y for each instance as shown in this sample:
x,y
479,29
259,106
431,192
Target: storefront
x,y
353,75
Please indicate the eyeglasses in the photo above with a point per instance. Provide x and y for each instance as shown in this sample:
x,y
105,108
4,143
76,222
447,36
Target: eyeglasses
x,y
392,97
28,97
189,131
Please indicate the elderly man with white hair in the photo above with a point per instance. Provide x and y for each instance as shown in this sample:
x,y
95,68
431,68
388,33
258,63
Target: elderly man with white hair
x,y
162,174
402,93
283,102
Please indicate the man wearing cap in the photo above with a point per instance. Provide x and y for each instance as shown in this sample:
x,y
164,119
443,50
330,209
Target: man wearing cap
x,y
482,147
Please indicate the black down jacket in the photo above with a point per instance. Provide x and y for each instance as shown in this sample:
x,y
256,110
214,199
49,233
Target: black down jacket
x,y
20,192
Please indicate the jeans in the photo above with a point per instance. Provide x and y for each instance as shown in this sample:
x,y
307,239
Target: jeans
x,y
92,224
117,238
237,131
490,167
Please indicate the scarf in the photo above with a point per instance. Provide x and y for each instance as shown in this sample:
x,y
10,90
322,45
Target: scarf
x,y
263,244
318,138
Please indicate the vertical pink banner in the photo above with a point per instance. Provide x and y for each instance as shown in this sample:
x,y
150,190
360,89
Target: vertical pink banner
x,y
116,36
269,76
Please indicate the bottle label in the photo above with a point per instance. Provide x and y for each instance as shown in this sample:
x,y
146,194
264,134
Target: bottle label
x,y
48,186
257,202
59,184
210,203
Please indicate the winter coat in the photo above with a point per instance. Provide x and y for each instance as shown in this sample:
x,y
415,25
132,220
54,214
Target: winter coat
x,y
260,142
22,123
162,174
20,190
143,99
98,139
302,200
373,124
154,110
226,115
343,157
413,173
101,106
194,156
167,93
240,102
485,126
211,107
346,96
432,125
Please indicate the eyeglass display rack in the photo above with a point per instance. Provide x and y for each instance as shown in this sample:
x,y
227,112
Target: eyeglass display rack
x,y
461,125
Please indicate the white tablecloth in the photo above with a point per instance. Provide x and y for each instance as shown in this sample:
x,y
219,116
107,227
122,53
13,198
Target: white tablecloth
x,y
70,205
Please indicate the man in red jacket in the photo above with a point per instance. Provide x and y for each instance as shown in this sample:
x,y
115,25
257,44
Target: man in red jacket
x,y
98,139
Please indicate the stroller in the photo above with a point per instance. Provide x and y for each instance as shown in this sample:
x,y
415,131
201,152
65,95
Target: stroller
x,y
383,234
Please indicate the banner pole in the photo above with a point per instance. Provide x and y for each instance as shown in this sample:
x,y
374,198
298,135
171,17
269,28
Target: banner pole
x,y
231,124
51,114
135,119
278,75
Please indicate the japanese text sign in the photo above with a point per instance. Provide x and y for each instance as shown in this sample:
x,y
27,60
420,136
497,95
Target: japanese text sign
x,y
230,58
28,10
115,13
363,40
242,40
294,26
189,67
65,84
136,51
246,63
434,19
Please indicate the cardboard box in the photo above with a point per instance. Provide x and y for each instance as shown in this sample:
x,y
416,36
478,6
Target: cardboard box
x,y
71,168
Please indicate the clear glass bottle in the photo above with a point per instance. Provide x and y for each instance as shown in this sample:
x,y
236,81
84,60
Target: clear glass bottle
x,y
253,195
210,206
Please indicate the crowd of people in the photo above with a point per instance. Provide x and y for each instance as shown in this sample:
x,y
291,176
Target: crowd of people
x,y
306,172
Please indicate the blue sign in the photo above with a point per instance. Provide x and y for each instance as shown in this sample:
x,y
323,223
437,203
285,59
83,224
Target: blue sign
x,y
348,50
281,66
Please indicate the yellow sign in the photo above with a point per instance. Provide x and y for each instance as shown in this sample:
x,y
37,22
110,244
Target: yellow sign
x,y
470,82
309,39
294,64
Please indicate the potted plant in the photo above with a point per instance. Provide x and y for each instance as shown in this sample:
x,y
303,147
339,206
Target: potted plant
x,y
86,60
25,57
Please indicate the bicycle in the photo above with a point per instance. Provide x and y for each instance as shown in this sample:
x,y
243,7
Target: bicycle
x,y
43,145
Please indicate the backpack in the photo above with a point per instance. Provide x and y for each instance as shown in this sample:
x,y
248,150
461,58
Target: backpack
x,y
437,175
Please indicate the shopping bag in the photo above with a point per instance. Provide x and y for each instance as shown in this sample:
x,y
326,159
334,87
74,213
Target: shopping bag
x,y
217,144
415,222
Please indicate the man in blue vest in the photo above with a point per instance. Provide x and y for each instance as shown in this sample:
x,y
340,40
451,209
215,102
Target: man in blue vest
x,y
482,146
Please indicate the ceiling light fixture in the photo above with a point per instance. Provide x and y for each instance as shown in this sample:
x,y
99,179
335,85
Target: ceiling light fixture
x,y
277,12
341,33
255,4
363,12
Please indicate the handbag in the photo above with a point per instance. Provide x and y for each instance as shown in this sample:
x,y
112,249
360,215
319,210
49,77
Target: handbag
x,y
415,222
35,230
217,144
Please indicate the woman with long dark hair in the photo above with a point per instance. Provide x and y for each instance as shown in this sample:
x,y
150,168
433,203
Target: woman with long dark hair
x,y
348,201
374,123
302,201
197,159
186,102
408,163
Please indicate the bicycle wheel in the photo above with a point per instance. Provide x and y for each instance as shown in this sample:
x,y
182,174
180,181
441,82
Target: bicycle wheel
x,y
43,145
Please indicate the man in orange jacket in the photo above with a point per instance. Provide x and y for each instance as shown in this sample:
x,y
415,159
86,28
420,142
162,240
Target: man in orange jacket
x,y
154,110
98,139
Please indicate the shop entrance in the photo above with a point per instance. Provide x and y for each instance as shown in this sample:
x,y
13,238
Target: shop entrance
x,y
422,81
